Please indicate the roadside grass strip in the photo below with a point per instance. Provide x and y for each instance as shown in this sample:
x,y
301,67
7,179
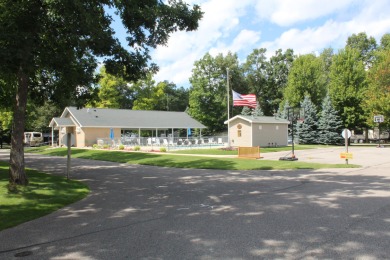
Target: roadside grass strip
x,y
187,161
44,194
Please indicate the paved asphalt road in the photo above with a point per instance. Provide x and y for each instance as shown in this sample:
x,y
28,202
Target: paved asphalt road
x,y
142,212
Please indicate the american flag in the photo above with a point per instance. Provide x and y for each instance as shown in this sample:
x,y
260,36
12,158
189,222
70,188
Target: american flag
x,y
244,100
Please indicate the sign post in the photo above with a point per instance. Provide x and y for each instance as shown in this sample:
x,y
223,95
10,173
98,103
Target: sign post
x,y
67,139
346,134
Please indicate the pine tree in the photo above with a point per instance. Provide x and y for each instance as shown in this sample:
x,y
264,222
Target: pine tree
x,y
329,125
257,111
307,130
282,113
246,111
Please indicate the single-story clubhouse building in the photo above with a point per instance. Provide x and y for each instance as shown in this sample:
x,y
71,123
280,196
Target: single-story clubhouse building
x,y
89,124
263,131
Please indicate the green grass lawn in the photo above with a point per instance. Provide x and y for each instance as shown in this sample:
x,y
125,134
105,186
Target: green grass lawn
x,y
219,151
187,161
44,194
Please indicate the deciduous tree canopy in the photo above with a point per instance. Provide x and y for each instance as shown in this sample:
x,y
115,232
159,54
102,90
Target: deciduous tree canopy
x,y
50,48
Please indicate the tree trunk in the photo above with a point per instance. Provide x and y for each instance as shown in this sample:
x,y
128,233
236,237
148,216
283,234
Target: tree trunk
x,y
366,135
17,174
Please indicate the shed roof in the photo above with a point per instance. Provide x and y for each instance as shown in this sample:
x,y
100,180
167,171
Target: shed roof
x,y
260,119
61,122
125,118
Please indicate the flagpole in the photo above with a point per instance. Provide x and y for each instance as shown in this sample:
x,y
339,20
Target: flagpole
x,y
228,104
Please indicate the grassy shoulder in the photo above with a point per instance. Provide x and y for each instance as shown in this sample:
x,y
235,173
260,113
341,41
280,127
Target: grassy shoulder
x,y
44,194
222,151
188,161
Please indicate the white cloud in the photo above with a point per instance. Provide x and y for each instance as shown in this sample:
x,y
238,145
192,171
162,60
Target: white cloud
x,y
372,19
235,26
308,40
246,40
184,48
285,13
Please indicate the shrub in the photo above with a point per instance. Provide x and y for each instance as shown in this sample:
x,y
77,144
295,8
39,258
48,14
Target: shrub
x,y
137,148
163,149
95,146
106,146
121,147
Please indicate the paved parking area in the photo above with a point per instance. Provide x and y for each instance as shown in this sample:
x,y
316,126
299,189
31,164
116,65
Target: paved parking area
x,y
143,212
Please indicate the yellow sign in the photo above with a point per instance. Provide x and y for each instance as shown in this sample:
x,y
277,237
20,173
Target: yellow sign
x,y
346,156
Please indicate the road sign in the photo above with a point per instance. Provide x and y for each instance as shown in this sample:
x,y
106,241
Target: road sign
x,y
379,119
346,156
346,131
64,140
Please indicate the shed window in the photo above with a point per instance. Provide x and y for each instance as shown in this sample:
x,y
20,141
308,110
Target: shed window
x,y
260,127
277,127
239,133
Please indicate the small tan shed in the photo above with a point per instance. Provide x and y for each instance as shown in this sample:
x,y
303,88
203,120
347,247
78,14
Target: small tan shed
x,y
260,131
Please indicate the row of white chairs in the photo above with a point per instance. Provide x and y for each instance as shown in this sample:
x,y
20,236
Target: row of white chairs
x,y
180,141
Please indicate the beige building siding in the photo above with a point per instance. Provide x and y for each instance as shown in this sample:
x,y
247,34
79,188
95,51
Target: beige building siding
x,y
92,134
269,134
258,131
246,133
80,137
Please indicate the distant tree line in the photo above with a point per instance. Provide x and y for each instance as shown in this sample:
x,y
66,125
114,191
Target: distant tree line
x,y
351,85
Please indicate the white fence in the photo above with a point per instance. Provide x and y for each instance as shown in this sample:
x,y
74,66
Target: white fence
x,y
173,143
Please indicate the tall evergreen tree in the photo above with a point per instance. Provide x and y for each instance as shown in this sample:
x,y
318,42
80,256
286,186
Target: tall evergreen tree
x,y
329,124
307,130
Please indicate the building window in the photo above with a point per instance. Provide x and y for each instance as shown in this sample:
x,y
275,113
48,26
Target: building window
x,y
277,127
239,133
260,127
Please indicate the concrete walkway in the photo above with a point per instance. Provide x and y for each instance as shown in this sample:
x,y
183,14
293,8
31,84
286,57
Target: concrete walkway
x,y
143,212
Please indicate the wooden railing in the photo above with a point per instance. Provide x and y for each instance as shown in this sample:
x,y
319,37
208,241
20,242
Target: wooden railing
x,y
249,152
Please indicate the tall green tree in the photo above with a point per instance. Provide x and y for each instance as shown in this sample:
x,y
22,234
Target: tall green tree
x,y
208,91
377,96
255,71
308,129
278,71
39,117
306,77
267,78
365,45
329,125
385,42
50,49
162,96
113,92
144,93
177,98
347,85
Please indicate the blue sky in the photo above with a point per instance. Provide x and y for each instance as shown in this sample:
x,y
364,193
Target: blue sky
x,y
239,26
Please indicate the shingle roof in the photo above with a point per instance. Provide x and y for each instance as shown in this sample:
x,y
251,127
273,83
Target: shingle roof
x,y
124,118
261,119
61,122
